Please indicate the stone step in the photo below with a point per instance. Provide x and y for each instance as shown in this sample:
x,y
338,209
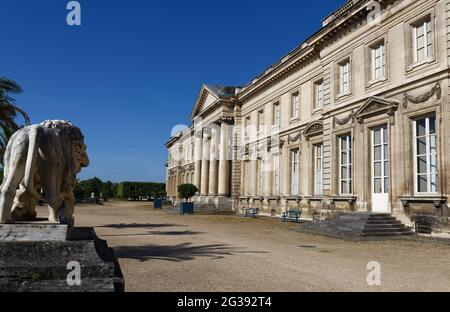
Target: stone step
x,y
382,218
383,222
361,225
384,226
389,234
362,216
381,215
350,217
395,230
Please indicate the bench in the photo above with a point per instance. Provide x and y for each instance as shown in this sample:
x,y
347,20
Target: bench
x,y
292,216
251,212
316,216
424,226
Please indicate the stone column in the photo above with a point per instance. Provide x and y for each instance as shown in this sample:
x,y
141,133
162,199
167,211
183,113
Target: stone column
x,y
253,179
198,153
214,163
172,185
224,161
178,182
205,165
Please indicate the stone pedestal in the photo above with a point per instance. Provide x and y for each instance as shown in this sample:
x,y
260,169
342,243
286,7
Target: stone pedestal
x,y
35,258
213,205
224,203
33,232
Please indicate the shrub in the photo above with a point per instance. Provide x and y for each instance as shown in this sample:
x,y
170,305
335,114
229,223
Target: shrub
x,y
135,190
187,191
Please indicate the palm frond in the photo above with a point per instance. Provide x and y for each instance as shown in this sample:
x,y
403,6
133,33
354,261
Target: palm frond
x,y
17,109
9,85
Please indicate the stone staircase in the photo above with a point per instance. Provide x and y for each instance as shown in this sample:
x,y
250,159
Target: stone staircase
x,y
359,226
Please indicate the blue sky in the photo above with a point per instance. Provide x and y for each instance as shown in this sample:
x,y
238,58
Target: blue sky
x,y
132,70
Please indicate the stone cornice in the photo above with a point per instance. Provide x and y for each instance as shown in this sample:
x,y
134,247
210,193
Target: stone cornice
x,y
352,12
279,71
173,140
339,13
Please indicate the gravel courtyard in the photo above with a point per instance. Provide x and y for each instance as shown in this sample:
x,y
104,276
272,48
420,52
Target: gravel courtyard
x,y
161,251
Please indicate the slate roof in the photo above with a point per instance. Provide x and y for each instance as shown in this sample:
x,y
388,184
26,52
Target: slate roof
x,y
222,91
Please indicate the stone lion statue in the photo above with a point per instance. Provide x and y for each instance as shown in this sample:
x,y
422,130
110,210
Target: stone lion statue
x,y
41,163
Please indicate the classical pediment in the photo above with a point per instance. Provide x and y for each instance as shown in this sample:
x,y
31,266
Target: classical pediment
x,y
209,101
211,95
205,98
375,106
313,129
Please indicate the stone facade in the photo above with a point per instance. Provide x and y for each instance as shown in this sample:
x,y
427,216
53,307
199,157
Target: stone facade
x,y
354,119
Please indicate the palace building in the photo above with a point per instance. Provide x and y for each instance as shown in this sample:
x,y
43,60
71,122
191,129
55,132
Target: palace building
x,y
356,118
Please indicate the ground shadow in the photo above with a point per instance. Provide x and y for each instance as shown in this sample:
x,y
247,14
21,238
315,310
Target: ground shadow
x,y
175,233
179,253
158,233
138,226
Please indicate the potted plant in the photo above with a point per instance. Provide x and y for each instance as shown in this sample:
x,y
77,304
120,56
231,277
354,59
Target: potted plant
x,y
187,191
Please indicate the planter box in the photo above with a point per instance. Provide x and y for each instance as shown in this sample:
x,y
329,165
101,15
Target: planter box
x,y
187,208
158,203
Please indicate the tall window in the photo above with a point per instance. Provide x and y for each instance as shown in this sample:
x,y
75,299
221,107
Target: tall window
x,y
422,41
247,127
345,165
295,105
380,161
295,169
318,86
425,155
318,165
247,178
260,121
276,115
378,62
260,177
344,77
276,175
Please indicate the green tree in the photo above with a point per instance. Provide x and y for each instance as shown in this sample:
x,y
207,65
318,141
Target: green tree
x,y
8,114
108,190
187,191
90,186
8,108
5,134
78,191
134,190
